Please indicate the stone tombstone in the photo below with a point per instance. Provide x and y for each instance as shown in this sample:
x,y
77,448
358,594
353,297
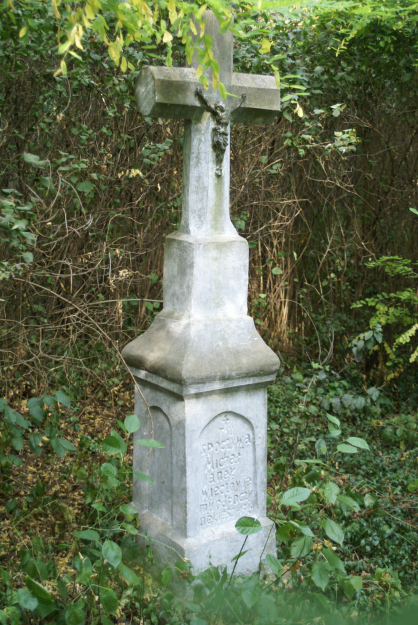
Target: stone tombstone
x,y
201,366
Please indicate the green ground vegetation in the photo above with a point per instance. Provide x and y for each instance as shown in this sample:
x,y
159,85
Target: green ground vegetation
x,y
342,490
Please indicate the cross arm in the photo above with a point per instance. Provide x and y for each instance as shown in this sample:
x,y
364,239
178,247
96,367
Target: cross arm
x,y
170,92
262,102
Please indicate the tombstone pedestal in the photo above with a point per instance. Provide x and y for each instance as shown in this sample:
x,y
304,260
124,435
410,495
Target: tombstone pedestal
x,y
204,380
211,472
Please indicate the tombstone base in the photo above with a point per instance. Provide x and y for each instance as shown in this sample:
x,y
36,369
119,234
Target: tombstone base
x,y
210,471
212,547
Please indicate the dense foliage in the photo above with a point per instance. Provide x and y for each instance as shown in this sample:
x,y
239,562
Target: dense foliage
x,y
89,190
345,512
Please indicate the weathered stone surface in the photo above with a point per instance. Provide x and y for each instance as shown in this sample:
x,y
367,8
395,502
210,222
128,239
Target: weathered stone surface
x,y
211,472
193,352
205,202
206,279
212,547
202,366
170,92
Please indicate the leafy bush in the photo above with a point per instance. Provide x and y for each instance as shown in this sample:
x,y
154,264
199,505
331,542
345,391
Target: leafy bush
x,y
15,429
394,313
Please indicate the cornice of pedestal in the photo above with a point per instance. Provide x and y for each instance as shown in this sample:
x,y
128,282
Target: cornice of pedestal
x,y
187,356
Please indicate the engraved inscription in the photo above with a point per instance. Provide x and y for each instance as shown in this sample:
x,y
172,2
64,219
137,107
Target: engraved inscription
x,y
226,450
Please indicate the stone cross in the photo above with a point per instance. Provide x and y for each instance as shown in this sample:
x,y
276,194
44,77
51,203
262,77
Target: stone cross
x,y
201,366
172,93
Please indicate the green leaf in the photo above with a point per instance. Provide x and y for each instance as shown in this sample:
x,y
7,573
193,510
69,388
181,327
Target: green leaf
x,y
34,160
11,505
121,425
252,595
120,439
359,403
290,502
130,528
112,445
109,600
98,506
357,582
301,547
333,431
149,442
274,565
306,531
358,442
37,413
349,502
128,574
63,399
67,445
296,494
320,575
26,600
17,442
17,418
87,535
27,257
108,469
84,576
333,419
74,614
47,182
346,449
334,531
143,477
333,560
43,609
112,553
49,401
60,446
239,555
166,575
132,423
181,565
215,66
38,591
56,446
85,186
62,589
321,447
247,525
222,91
369,500
352,585
308,461
128,509
331,491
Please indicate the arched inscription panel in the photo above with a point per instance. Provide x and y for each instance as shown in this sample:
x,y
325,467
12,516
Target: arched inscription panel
x,y
160,494
226,470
